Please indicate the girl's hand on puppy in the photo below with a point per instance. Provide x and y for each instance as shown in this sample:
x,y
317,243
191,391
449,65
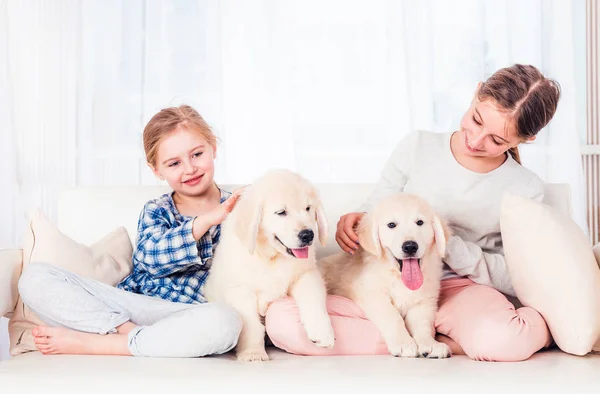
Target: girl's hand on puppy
x,y
219,213
216,216
346,235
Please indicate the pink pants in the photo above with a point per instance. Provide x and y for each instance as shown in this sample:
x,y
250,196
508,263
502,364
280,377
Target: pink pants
x,y
478,318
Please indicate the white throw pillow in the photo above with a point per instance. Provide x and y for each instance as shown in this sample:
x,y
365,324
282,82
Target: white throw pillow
x,y
108,260
553,270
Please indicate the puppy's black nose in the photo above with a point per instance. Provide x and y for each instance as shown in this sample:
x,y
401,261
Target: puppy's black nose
x,y
306,236
410,247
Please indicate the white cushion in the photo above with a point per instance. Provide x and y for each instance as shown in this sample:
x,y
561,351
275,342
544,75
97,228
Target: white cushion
x,y
553,270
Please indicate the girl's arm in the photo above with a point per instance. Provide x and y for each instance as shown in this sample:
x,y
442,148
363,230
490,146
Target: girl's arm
x,y
162,249
204,222
468,259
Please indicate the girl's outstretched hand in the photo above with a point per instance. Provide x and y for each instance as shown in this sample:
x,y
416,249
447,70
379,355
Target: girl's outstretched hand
x,y
346,235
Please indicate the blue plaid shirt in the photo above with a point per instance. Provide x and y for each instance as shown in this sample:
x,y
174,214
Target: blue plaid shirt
x,y
168,262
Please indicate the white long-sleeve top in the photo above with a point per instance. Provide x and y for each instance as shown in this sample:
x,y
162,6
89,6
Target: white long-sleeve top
x,y
469,201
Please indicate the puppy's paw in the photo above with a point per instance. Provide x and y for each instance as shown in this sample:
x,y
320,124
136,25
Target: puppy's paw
x,y
405,349
253,355
430,348
438,350
322,336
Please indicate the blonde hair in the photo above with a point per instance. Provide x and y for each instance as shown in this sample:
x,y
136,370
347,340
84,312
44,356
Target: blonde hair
x,y
168,120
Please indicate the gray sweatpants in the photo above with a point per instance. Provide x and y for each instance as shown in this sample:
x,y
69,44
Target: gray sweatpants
x,y
164,329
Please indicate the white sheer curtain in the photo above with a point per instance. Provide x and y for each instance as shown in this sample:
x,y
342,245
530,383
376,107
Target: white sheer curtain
x,y
340,82
324,87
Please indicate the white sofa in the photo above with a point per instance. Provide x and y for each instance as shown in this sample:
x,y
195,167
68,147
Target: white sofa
x,y
88,214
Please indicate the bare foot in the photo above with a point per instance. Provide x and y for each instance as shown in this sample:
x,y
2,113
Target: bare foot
x,y
58,340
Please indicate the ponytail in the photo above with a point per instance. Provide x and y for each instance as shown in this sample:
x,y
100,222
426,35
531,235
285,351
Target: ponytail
x,y
514,152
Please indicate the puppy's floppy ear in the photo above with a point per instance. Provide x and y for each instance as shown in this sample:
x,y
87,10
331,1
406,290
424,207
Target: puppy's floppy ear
x,y
441,234
321,223
248,212
368,235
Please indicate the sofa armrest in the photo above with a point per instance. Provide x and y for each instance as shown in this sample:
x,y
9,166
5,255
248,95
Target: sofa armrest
x,y
11,264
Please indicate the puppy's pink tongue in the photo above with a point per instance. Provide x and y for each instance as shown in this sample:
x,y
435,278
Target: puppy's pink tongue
x,y
412,277
301,253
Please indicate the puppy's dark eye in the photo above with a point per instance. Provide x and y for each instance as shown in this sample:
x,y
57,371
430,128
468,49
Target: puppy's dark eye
x,y
419,222
308,208
391,224
283,212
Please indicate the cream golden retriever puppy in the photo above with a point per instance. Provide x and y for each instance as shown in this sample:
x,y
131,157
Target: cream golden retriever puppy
x,y
395,274
267,251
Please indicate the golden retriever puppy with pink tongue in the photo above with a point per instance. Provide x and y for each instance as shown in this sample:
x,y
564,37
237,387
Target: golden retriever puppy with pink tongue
x,y
267,251
395,275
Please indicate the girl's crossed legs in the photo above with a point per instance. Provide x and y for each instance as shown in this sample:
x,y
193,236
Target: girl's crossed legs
x,y
77,309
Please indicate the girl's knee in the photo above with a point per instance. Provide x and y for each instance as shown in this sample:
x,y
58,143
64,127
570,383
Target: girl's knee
x,y
227,323
198,331
502,352
494,340
33,282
